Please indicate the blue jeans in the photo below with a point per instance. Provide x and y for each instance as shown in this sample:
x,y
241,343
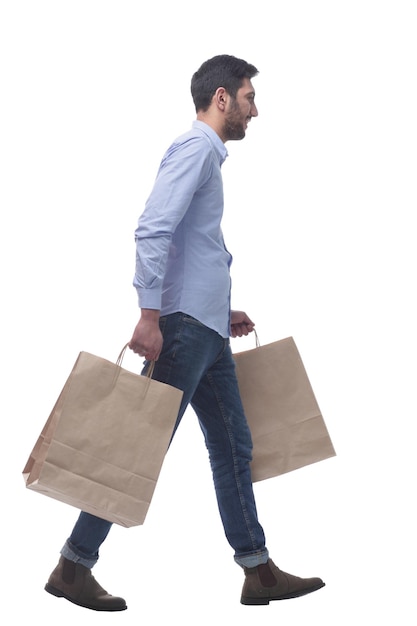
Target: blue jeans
x,y
199,361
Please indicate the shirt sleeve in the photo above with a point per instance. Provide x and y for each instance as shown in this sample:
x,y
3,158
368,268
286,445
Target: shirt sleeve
x,y
185,167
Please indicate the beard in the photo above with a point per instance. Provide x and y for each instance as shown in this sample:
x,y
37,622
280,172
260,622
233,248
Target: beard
x,y
234,128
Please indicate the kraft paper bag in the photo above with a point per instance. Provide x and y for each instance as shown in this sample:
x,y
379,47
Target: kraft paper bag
x,y
103,445
287,427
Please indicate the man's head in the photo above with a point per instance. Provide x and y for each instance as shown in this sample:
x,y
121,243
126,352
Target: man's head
x,y
224,96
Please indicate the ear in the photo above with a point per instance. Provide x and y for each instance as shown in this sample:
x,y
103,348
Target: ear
x,y
220,98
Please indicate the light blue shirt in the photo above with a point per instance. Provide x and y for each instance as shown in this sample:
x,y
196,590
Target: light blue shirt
x,y
182,263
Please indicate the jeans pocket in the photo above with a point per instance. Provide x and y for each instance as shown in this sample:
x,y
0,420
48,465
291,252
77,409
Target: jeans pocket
x,y
192,320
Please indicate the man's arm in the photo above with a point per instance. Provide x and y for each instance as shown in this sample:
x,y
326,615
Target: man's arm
x,y
184,168
147,337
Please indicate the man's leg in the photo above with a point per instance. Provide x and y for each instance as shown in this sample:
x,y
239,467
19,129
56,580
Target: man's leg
x,y
220,412
218,406
85,540
188,350
72,578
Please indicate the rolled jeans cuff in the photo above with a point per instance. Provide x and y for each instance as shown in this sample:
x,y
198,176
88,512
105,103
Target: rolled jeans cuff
x,y
72,554
252,560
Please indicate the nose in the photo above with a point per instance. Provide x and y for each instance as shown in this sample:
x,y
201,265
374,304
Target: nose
x,y
254,110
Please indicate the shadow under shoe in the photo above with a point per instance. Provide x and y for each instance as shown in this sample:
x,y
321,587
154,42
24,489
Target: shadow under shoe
x,y
75,583
267,582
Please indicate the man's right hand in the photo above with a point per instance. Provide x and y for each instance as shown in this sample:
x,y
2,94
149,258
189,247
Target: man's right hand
x,y
147,338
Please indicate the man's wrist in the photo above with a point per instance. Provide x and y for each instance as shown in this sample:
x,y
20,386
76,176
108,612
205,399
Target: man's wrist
x,y
151,315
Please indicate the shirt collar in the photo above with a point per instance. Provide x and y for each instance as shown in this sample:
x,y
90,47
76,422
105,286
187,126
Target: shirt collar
x,y
218,145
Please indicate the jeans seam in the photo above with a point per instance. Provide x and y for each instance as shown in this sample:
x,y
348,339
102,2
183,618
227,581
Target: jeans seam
x,y
234,457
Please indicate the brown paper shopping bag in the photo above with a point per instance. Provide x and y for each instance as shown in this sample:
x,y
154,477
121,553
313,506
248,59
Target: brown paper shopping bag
x,y
102,447
287,427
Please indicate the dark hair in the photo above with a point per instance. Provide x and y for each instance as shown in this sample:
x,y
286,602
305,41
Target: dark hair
x,y
220,71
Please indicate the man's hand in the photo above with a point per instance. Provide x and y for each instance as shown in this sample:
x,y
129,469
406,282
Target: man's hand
x,y
240,324
147,338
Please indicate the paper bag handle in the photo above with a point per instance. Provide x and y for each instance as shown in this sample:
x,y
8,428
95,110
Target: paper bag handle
x,y
119,361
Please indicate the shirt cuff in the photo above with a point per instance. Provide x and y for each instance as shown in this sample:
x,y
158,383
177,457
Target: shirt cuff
x,y
149,298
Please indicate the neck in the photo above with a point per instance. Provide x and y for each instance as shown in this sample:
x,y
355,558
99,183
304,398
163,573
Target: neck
x,y
211,120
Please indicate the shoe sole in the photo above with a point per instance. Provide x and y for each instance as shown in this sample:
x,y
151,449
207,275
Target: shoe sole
x,y
295,594
59,594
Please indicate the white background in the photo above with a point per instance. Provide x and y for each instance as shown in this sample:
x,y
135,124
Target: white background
x,y
320,199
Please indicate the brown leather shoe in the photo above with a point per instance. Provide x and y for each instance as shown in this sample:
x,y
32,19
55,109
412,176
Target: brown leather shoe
x,y
77,584
267,582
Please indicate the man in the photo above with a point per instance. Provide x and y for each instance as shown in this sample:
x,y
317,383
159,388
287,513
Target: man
x,y
183,283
